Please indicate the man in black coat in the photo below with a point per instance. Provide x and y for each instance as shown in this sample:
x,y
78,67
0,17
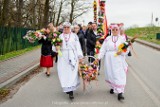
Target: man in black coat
x,y
91,41
89,27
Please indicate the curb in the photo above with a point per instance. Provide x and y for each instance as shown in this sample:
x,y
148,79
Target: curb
x,y
19,76
152,45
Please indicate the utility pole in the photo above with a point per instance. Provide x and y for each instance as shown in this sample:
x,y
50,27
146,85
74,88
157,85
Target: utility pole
x,y
152,19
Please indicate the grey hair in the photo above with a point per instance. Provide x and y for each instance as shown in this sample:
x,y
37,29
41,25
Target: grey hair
x,y
67,24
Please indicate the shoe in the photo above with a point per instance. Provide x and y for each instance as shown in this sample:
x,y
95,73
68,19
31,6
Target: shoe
x,y
67,92
111,91
47,74
71,95
120,97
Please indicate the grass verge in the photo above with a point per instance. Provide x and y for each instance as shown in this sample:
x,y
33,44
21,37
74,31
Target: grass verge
x,y
17,53
148,33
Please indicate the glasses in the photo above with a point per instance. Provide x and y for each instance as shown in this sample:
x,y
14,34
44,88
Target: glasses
x,y
114,29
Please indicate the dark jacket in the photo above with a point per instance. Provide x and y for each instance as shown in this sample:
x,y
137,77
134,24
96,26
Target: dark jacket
x,y
46,48
86,33
81,40
91,41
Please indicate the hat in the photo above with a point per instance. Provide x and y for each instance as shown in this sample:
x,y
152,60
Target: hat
x,y
66,24
114,26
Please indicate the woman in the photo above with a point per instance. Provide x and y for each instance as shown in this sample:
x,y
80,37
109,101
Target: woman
x,y
81,37
46,60
67,64
125,37
115,66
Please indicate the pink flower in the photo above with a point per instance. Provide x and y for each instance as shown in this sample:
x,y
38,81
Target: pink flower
x,y
55,35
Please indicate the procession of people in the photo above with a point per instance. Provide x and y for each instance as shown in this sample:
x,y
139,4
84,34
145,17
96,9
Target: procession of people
x,y
75,42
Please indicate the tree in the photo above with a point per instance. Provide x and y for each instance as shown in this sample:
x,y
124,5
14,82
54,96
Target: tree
x,y
38,13
60,11
5,11
0,9
78,8
53,12
19,6
46,13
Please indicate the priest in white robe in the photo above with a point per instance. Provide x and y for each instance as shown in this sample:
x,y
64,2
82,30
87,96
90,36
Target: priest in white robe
x,y
67,65
115,67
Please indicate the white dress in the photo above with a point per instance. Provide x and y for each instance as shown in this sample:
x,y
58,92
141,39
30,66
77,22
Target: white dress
x,y
115,67
67,65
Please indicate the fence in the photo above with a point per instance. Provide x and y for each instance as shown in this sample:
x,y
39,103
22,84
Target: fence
x,y
11,39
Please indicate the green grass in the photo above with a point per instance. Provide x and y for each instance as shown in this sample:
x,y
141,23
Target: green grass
x,y
17,53
148,33
4,93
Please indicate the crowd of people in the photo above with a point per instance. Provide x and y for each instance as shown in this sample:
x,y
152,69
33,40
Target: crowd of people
x,y
78,41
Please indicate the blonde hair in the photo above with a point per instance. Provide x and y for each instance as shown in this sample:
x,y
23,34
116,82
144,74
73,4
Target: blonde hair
x,y
51,27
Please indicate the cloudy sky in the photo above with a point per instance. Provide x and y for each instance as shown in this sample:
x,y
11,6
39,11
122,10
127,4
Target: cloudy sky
x,y
130,12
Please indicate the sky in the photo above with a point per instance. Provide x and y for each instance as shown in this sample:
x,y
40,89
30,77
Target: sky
x,y
130,12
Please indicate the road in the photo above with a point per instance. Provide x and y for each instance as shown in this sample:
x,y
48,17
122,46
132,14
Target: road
x,y
142,89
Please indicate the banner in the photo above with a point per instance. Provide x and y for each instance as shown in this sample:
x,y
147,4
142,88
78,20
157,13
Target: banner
x,y
95,10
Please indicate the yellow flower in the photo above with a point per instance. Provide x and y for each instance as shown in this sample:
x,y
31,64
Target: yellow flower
x,y
53,40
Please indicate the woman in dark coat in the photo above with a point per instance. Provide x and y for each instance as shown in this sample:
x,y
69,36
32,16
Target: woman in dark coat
x,y
46,50
81,37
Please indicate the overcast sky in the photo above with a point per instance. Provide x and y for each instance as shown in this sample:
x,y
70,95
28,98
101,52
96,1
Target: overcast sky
x,y
130,12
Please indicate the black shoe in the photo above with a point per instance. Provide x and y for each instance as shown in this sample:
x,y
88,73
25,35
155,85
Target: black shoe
x,y
67,92
111,91
120,96
47,74
71,95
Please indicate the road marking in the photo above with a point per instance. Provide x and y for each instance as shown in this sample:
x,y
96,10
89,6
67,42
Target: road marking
x,y
146,89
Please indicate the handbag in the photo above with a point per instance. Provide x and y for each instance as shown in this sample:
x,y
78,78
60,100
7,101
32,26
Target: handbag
x,y
129,54
54,54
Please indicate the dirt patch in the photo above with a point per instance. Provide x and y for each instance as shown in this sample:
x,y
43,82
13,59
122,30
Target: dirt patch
x,y
7,93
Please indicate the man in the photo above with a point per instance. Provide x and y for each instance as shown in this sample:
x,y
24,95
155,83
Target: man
x,y
91,41
125,37
88,29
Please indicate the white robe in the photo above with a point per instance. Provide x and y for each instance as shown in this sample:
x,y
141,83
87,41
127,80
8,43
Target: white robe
x,y
67,65
124,37
115,67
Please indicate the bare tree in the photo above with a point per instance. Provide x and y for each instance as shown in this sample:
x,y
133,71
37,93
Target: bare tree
x,y
52,12
78,8
19,6
40,13
34,18
46,13
5,12
1,9
60,11
37,13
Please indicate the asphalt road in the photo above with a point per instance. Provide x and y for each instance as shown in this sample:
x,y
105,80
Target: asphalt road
x,y
142,89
